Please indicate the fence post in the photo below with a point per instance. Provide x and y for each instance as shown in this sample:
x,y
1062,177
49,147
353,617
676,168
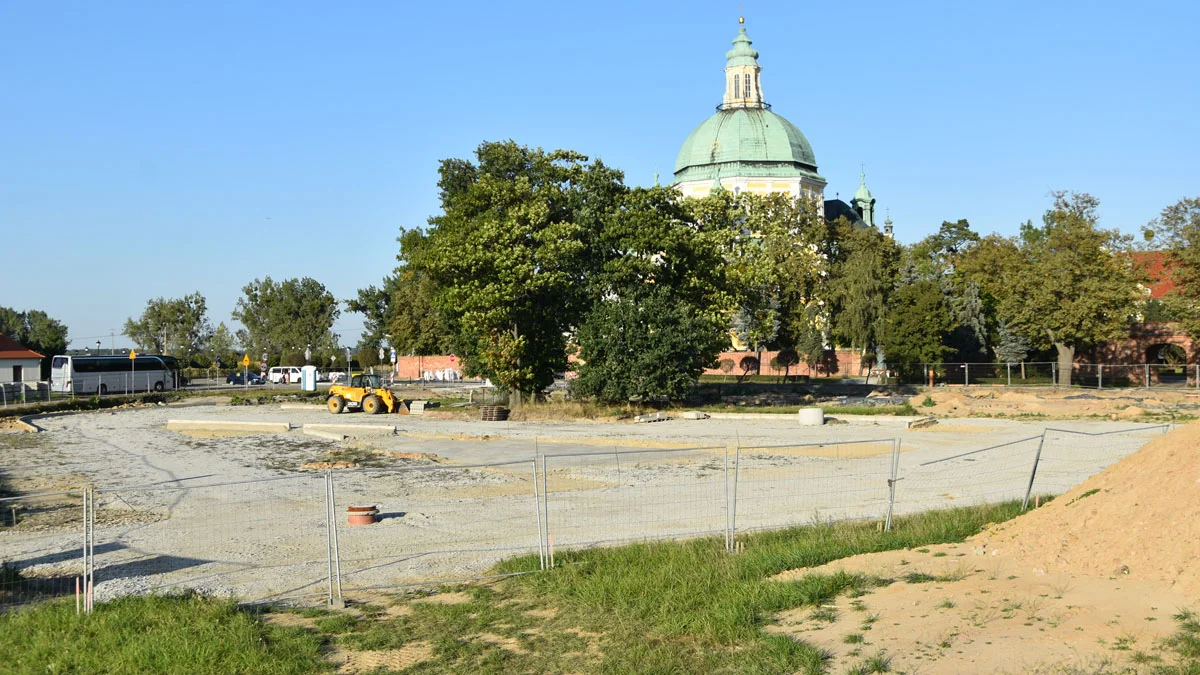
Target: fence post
x,y
1198,375
1008,367
537,506
737,463
545,504
333,555
887,523
728,546
966,374
1033,472
1100,381
1054,374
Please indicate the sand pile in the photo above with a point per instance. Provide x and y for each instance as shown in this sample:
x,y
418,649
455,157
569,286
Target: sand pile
x,y
1139,519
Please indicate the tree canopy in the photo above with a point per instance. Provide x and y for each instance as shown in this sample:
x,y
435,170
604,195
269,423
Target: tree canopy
x,y
510,256
289,315
1061,284
171,325
1177,231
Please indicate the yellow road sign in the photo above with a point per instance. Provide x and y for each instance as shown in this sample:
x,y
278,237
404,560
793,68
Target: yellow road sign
x,y
246,360
132,355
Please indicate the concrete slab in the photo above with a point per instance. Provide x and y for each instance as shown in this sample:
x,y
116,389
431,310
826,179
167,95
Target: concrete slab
x,y
327,435
354,429
228,425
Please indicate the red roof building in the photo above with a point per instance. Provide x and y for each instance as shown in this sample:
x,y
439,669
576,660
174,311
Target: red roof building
x,y
1155,265
11,349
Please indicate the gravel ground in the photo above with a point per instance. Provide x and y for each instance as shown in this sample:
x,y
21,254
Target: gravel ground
x,y
236,515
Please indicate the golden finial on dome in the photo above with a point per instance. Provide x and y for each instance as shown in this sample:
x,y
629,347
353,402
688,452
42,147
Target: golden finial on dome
x,y
742,20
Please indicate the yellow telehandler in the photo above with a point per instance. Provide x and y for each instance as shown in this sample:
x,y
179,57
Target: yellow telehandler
x,y
366,393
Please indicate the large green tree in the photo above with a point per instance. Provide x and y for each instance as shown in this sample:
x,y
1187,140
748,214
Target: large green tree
x,y
286,316
917,324
1177,231
36,330
220,346
660,298
171,325
779,266
863,278
1062,284
510,256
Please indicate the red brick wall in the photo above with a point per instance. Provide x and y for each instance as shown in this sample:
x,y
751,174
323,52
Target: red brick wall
x,y
839,362
411,367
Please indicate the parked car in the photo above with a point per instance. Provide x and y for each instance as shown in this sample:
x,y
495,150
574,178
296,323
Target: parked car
x,y
337,378
237,378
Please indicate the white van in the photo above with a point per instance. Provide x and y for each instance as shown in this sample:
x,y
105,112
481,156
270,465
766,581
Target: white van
x,y
280,374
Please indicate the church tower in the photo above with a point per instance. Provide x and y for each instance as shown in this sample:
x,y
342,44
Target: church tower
x,y
863,202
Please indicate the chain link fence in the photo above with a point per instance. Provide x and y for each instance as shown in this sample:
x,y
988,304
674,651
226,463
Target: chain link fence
x,y
318,534
1083,375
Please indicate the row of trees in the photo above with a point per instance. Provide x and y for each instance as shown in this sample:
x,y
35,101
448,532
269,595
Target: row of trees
x,y
284,319
539,253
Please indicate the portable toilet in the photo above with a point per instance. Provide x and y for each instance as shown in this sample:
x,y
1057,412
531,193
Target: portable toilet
x,y
308,378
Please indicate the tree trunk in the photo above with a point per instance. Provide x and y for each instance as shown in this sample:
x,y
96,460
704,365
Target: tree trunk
x,y
514,397
1066,359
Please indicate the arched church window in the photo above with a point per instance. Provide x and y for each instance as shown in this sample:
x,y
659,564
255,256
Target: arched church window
x,y
736,84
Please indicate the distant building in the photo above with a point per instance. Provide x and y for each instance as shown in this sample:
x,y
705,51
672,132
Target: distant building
x,y
18,364
746,147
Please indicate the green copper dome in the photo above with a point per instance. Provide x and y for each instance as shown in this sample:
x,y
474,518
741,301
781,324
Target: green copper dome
x,y
737,140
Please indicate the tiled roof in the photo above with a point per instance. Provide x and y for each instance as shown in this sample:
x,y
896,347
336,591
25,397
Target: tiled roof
x,y
11,349
1155,264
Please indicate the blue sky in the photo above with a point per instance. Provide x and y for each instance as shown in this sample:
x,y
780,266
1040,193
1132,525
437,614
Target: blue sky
x,y
155,149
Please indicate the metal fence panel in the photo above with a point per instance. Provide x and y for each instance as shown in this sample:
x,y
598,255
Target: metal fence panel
x,y
633,495
41,546
1071,457
984,475
785,485
252,540
435,523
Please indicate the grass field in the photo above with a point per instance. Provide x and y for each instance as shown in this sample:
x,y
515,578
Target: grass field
x,y
672,607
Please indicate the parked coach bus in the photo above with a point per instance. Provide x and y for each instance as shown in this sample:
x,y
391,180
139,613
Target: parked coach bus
x,y
112,374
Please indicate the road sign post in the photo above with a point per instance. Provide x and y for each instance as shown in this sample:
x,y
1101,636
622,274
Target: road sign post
x,y
132,372
246,371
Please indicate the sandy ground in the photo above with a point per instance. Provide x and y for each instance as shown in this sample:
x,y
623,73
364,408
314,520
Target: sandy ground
x,y
237,514
1085,582
1120,404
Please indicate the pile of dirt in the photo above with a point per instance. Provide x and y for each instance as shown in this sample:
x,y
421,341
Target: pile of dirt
x,y
1139,518
1086,581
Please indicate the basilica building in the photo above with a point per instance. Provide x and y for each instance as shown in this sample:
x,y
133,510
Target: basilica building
x,y
747,147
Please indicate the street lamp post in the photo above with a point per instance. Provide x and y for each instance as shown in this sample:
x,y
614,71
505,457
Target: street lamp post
x,y
307,354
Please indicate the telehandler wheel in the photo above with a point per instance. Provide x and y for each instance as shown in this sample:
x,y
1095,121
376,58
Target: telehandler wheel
x,y
372,405
336,404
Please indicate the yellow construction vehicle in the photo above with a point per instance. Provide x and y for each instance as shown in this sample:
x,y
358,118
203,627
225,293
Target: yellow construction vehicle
x,y
366,393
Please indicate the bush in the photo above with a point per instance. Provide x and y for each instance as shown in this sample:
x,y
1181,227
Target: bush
x,y
649,350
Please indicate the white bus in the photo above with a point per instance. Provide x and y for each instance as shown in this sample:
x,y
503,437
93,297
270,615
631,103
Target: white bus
x,y
112,374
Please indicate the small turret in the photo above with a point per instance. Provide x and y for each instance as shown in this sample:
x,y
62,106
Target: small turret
x,y
863,202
